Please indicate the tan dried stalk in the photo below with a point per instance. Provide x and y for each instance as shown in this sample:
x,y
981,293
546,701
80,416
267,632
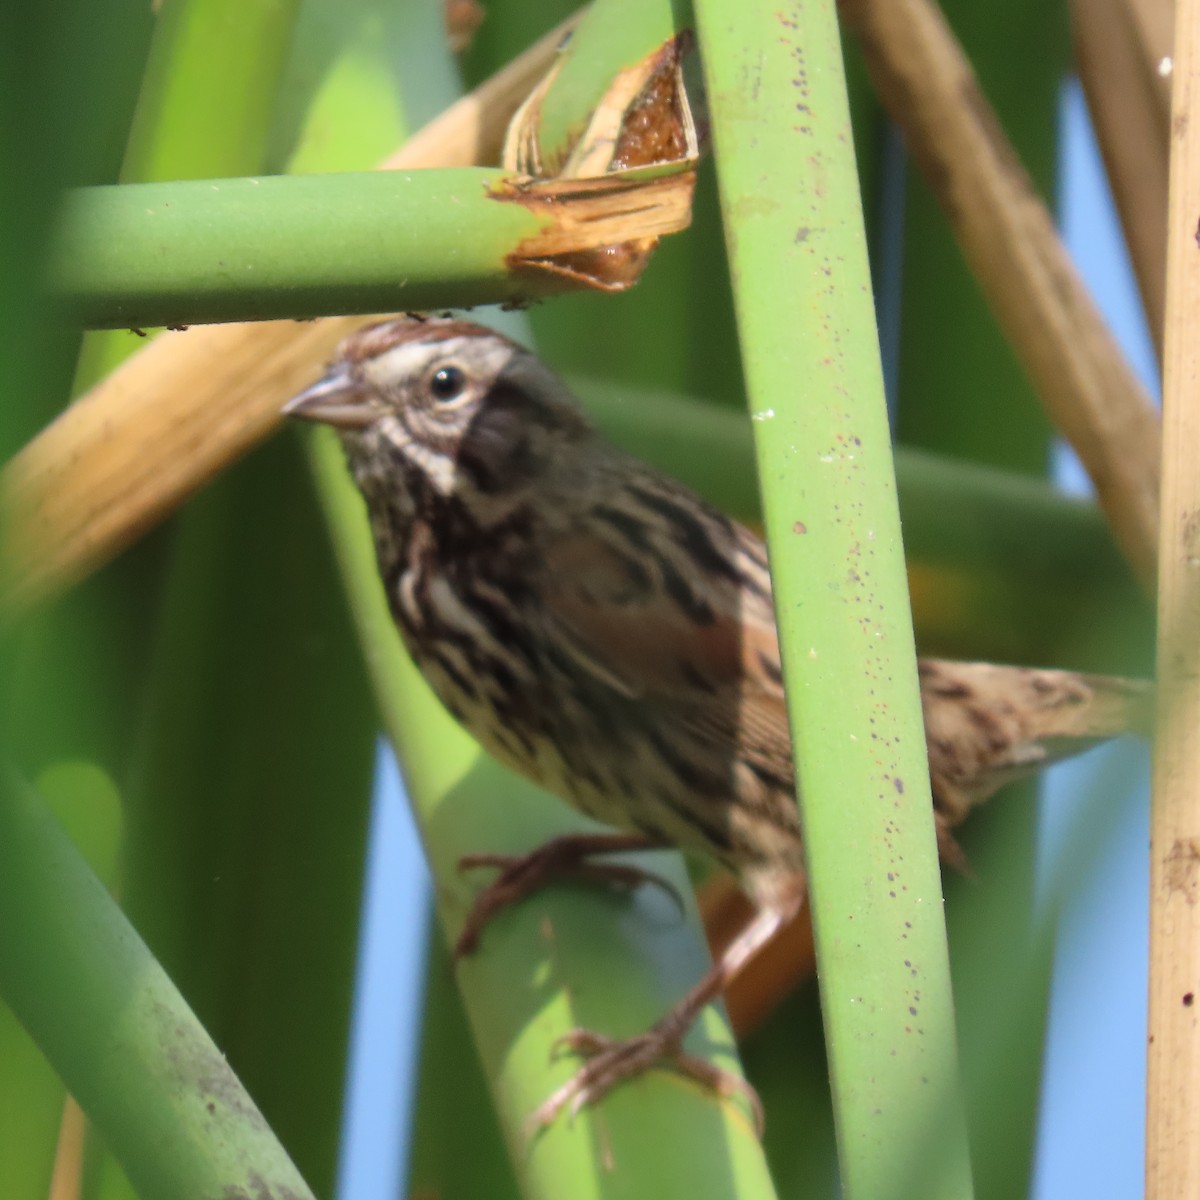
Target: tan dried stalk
x,y
1173,1053
1009,240
1122,48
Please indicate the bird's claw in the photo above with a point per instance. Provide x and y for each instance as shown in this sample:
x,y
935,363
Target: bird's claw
x,y
523,874
610,1060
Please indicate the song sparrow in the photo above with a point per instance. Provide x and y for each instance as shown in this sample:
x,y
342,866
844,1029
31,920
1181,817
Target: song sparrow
x,y
604,631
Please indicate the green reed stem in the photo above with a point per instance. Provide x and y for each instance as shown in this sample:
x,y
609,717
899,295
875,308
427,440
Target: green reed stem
x,y
297,246
802,292
156,1086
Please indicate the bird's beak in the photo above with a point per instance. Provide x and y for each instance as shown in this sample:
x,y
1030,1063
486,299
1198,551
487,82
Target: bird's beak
x,y
339,400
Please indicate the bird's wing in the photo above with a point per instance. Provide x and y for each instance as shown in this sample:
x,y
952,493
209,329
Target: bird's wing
x,y
675,606
695,642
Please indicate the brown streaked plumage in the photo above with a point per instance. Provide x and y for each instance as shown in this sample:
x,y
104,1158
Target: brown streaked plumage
x,y
601,629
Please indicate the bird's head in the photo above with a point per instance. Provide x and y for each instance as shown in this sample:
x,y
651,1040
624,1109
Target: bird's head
x,y
447,406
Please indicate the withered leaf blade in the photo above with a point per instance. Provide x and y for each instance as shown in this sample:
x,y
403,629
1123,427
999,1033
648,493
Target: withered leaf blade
x,y
603,237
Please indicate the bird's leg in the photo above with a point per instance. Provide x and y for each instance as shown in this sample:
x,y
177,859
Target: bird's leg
x,y
565,857
610,1060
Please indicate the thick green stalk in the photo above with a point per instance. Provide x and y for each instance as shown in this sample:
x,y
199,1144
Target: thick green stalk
x,y
32,1094
155,1084
803,299
227,250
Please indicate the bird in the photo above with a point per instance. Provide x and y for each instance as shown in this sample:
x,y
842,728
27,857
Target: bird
x,y
602,630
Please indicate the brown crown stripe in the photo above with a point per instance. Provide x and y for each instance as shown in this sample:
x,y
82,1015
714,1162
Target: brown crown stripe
x,y
378,339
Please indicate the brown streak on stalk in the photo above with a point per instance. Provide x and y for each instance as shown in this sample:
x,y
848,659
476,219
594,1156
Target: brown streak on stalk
x,y
597,233
655,126
1181,869
601,222
653,131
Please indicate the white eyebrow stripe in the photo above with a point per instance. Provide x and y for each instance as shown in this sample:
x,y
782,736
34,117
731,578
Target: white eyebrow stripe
x,y
410,360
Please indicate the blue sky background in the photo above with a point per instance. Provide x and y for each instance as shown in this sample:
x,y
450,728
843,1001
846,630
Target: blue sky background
x,y
387,1011
1092,1123
1092,1128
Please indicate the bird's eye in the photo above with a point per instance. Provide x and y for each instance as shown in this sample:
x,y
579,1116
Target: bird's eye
x,y
447,383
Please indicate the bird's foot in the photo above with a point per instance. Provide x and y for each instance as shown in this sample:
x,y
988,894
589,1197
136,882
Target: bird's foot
x,y
565,857
611,1060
